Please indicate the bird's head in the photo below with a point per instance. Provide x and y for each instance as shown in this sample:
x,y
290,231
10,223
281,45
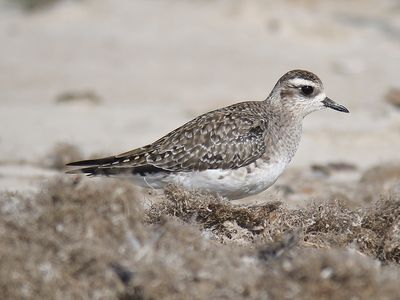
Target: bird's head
x,y
302,92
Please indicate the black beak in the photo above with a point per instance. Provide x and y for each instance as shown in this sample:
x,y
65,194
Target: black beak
x,y
332,104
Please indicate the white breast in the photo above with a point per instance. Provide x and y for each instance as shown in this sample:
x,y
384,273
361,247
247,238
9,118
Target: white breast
x,y
233,184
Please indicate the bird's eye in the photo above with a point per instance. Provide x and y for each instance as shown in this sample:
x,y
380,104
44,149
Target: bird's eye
x,y
307,90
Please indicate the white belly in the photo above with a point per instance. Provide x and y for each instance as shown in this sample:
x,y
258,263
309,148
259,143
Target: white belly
x,y
233,184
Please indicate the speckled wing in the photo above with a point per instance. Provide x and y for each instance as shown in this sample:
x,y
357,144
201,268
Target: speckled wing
x,y
228,138
221,140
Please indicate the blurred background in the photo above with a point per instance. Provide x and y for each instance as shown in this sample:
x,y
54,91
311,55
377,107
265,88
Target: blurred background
x,y
85,78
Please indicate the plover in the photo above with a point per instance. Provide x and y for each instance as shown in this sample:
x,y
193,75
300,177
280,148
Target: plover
x,y
235,151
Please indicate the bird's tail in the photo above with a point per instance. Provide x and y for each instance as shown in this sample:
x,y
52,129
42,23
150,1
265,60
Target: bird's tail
x,y
114,166
94,171
95,167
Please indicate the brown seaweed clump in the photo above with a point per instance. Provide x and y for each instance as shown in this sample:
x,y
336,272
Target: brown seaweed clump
x,y
328,224
330,274
59,243
80,239
216,216
383,222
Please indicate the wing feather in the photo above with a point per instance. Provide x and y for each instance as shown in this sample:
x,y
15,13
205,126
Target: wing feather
x,y
231,137
216,141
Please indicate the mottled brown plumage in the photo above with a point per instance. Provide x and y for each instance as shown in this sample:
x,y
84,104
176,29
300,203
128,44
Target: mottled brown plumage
x,y
225,138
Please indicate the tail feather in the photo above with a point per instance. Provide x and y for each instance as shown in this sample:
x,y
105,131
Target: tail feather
x,y
88,171
110,169
96,167
100,171
94,162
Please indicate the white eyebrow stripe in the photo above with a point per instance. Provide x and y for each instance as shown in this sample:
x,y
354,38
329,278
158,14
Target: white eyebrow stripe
x,y
301,82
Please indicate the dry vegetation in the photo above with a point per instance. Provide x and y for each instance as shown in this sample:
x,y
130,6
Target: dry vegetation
x,y
79,238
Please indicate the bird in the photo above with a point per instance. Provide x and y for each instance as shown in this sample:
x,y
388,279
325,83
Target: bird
x,y
235,151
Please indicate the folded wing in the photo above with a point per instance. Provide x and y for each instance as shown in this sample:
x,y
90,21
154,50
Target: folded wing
x,y
222,139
